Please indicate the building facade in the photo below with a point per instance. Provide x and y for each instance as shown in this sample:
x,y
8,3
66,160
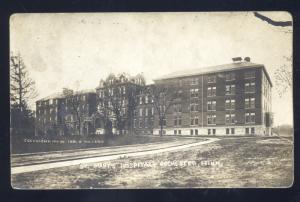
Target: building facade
x,y
230,99
66,113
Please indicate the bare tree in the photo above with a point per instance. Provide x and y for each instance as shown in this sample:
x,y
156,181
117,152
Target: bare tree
x,y
113,102
119,100
22,87
133,90
163,97
22,91
283,77
75,102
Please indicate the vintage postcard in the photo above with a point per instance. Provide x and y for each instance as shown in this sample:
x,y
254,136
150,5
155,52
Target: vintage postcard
x,y
151,100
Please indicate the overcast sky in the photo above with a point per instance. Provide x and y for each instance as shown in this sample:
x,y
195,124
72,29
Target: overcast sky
x,y
77,50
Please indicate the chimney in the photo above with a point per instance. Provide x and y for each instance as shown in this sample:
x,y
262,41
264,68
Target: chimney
x,y
237,59
67,92
247,59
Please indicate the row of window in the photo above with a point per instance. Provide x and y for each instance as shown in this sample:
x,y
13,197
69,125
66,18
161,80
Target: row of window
x,y
230,118
212,131
229,90
145,99
213,78
45,120
112,91
146,111
212,104
145,123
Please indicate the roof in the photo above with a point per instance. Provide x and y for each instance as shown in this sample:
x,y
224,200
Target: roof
x,y
212,69
61,95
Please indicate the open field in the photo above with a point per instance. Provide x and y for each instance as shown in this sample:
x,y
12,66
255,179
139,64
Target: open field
x,y
229,162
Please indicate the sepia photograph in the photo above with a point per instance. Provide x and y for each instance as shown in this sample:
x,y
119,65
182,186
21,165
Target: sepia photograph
x,y
151,100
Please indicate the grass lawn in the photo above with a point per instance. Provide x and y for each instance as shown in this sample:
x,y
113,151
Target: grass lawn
x,y
229,162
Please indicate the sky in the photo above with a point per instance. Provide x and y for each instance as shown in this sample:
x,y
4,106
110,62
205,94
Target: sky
x,y
77,50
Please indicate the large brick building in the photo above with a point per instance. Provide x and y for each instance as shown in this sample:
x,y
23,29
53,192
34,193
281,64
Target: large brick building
x,y
66,113
230,99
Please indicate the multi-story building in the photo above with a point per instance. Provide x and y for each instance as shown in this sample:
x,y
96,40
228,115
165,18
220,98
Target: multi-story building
x,y
117,99
66,113
144,114
231,99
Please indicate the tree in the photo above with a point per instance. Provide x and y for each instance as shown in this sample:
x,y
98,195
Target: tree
x,y
118,100
284,77
112,103
75,102
22,91
163,96
22,87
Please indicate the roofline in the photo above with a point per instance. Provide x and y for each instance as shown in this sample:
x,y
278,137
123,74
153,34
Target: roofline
x,y
64,96
217,71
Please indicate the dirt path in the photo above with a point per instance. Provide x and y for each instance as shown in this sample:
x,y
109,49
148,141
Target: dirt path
x,y
36,162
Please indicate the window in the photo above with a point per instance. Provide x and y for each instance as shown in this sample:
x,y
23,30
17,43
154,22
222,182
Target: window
x,y
194,121
211,105
194,107
177,107
211,91
252,130
146,111
250,87
141,100
175,132
211,79
177,121
229,104
152,111
227,131
179,132
192,132
230,89
194,81
141,111
134,123
214,131
250,117
230,77
249,74
232,131
211,119
140,123
196,131
194,92
247,130
208,131
250,103
50,101
146,99
230,118
162,108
